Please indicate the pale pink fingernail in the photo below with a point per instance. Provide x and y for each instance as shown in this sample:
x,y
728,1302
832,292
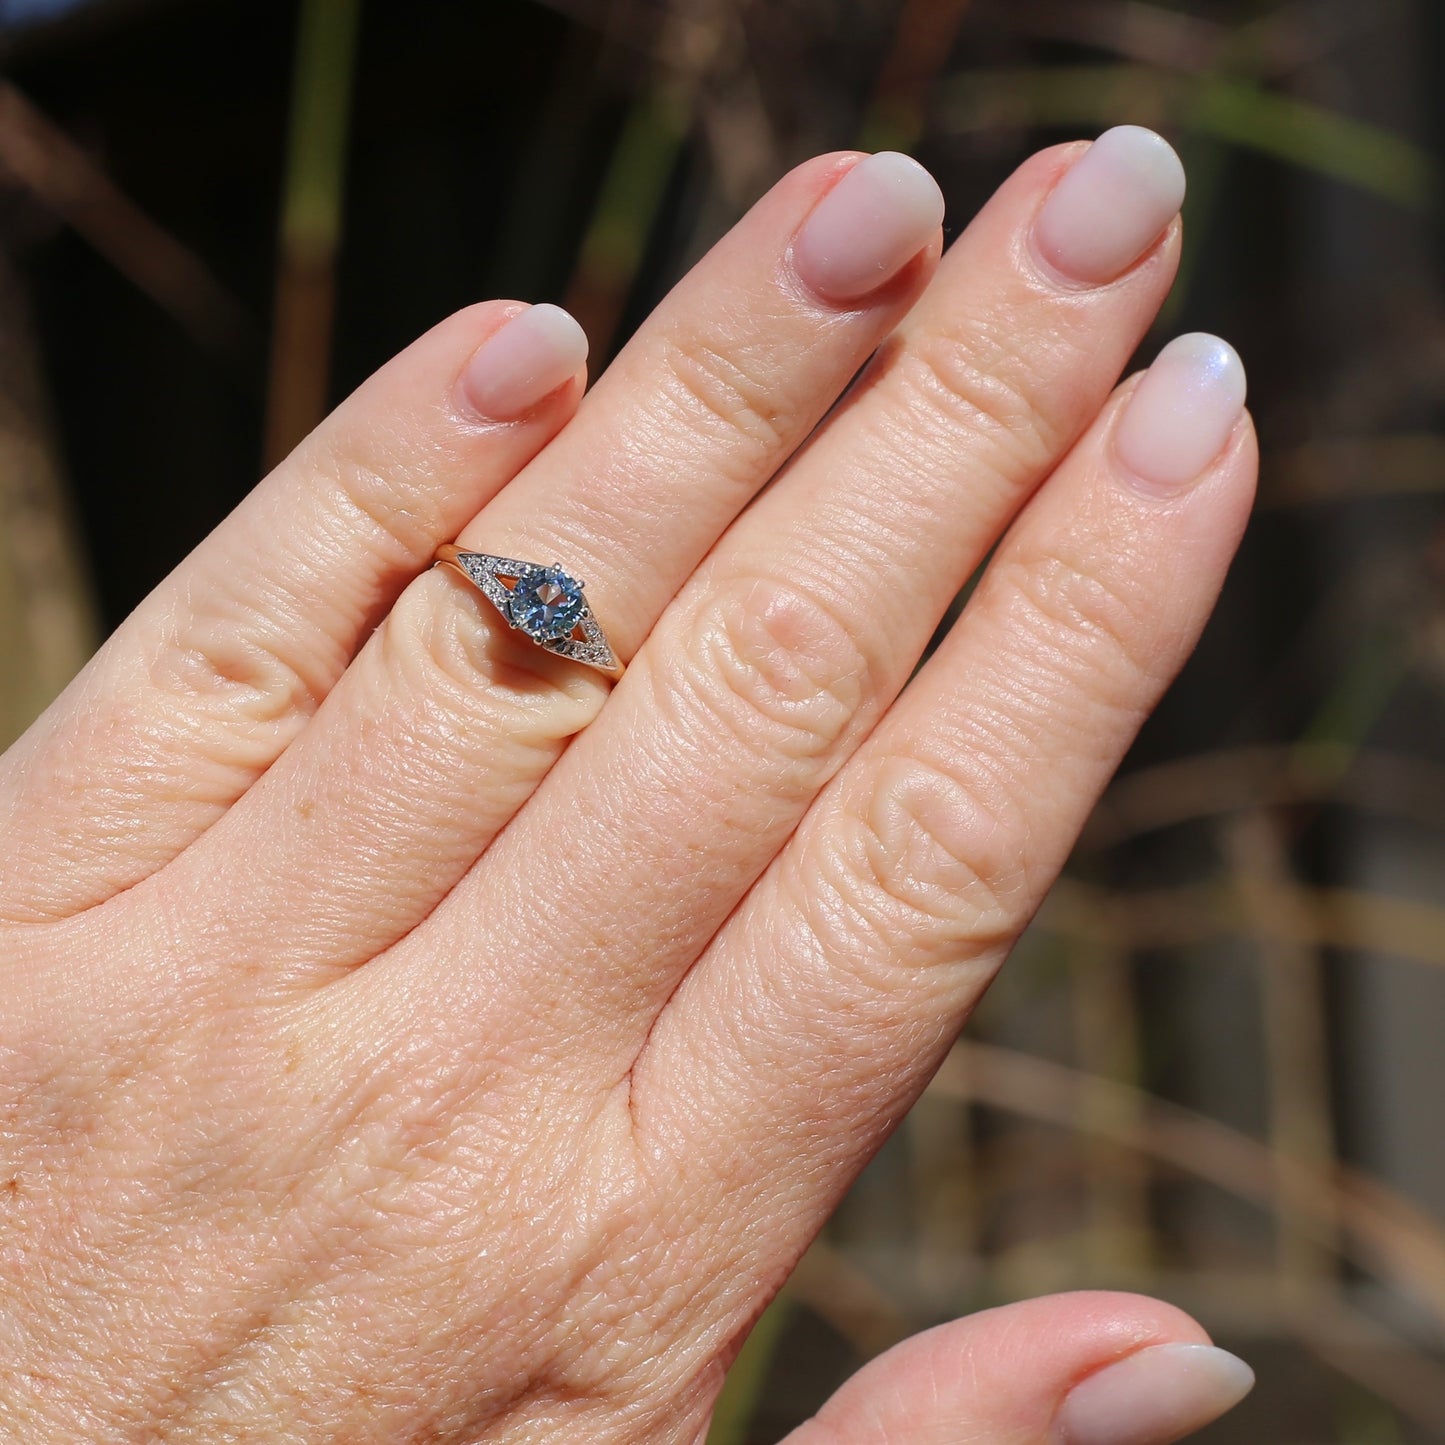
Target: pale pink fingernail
x,y
868,227
1111,206
532,354
1181,414
1152,1398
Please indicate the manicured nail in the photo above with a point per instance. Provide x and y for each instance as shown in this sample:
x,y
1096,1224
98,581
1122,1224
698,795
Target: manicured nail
x,y
532,354
1153,1398
1111,206
1181,414
868,227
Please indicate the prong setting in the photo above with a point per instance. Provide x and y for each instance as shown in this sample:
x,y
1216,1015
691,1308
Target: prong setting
x,y
545,603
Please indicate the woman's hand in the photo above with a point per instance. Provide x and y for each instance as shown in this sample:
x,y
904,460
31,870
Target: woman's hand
x,y
402,1039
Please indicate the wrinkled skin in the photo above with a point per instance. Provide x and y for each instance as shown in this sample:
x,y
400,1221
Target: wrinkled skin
x,y
408,1037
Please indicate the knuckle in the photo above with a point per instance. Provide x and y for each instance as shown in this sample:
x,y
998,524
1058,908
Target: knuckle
x,y
465,674
379,478
235,675
777,672
977,387
932,862
1089,625
717,391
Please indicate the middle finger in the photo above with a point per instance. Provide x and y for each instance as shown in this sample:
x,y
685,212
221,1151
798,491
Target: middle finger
x,y
445,721
790,642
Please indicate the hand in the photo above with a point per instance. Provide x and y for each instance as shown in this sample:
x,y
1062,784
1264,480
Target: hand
x,y
404,1039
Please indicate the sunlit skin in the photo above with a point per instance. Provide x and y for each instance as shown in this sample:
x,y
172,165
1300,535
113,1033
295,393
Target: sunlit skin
x,y
410,1035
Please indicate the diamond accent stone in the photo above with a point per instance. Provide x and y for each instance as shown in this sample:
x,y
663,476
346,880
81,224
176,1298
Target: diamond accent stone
x,y
501,579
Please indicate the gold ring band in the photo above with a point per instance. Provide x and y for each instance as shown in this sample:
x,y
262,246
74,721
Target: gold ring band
x,y
544,603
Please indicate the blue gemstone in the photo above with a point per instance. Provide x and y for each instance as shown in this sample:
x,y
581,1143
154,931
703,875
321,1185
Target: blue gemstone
x,y
546,604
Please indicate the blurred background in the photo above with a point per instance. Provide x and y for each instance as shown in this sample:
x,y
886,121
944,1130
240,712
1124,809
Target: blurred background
x,y
1215,1068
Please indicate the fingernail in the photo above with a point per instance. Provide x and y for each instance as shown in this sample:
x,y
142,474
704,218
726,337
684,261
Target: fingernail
x,y
1111,206
1181,414
868,227
1153,1398
532,354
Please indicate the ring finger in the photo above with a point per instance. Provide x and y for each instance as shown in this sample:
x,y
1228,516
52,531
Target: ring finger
x,y
786,647
445,721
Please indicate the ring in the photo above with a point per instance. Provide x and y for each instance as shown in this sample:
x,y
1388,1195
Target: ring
x,y
544,603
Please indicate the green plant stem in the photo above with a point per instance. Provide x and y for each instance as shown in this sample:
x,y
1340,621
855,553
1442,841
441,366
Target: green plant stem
x,y
749,1373
1226,108
311,222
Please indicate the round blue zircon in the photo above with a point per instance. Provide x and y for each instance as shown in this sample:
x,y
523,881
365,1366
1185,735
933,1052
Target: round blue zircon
x,y
546,604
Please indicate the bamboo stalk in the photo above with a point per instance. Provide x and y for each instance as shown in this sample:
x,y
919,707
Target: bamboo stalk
x,y
1207,785
1228,108
923,39
748,1375
67,182
48,625
1378,1230
1296,1043
626,212
311,223
943,1168
1118,1235
1197,913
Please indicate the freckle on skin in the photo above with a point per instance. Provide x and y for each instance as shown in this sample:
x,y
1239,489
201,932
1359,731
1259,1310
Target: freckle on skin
x,y
306,807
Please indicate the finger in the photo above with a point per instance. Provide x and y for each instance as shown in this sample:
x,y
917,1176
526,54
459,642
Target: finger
x,y
446,721
217,670
824,1004
803,625
1091,1368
